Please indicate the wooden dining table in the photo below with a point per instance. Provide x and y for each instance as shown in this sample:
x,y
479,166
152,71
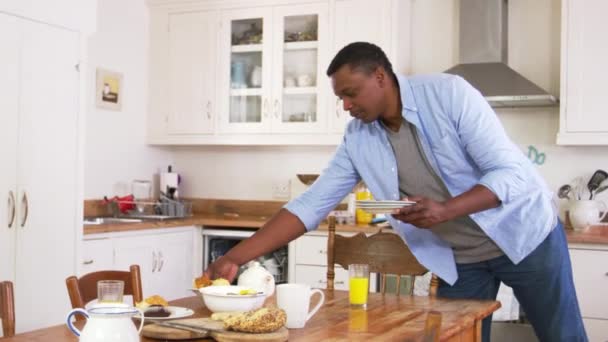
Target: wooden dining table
x,y
387,318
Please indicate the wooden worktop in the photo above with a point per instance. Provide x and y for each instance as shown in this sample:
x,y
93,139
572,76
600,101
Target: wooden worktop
x,y
238,214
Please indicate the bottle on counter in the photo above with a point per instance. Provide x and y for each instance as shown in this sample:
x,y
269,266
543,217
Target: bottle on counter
x,y
362,216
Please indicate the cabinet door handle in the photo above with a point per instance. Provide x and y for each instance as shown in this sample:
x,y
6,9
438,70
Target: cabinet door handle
x,y
209,110
338,108
87,262
25,204
265,108
11,208
277,105
162,261
322,251
154,261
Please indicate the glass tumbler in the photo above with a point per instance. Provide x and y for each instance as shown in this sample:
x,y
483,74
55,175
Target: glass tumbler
x,y
358,285
110,291
142,191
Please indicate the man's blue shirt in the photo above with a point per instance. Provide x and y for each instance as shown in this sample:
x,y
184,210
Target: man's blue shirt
x,y
466,145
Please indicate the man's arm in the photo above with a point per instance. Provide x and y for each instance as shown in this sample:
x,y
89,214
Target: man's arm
x,y
278,231
427,212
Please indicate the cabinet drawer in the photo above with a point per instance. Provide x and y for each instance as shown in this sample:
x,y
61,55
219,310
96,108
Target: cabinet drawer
x,y
311,250
590,268
597,329
97,255
316,276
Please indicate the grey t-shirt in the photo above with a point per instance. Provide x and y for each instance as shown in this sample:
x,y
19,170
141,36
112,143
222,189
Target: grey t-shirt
x,y
416,177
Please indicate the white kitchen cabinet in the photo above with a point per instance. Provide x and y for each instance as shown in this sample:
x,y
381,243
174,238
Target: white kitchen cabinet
x,y
271,70
308,262
355,21
9,107
316,276
264,65
97,255
39,91
583,116
191,88
167,258
590,269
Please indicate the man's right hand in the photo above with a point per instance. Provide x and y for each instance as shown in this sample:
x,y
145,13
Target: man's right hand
x,y
223,267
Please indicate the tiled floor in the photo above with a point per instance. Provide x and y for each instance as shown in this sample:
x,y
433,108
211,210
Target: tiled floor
x,y
509,332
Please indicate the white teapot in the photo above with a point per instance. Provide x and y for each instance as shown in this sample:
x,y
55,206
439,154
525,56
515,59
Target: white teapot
x,y
108,324
585,213
258,278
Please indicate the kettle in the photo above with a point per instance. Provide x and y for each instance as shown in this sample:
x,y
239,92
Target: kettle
x,y
257,278
107,324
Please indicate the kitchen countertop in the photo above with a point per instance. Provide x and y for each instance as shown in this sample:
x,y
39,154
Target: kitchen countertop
x,y
228,221
593,235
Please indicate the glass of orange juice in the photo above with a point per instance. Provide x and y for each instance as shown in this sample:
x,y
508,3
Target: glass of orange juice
x,y
110,291
358,285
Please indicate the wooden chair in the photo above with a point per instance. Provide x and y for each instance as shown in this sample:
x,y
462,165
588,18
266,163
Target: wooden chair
x,y
385,253
84,290
7,308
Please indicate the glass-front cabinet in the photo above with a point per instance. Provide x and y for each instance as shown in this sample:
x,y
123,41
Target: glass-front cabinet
x,y
272,69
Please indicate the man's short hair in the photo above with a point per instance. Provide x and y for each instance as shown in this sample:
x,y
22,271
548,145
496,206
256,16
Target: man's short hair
x,y
360,56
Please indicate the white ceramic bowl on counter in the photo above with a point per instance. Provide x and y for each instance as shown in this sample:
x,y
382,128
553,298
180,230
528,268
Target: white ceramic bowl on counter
x,y
226,298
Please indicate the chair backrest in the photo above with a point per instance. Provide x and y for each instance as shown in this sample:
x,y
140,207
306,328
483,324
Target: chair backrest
x,y
84,289
384,252
7,308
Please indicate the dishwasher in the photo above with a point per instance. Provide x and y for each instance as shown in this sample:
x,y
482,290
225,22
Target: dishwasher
x,y
218,241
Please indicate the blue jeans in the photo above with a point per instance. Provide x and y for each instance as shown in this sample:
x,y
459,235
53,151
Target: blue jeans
x,y
542,283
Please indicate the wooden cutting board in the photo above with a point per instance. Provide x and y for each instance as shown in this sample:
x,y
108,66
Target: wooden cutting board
x,y
216,331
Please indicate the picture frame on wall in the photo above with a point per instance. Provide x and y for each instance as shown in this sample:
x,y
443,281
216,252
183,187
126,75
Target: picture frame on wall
x,y
108,89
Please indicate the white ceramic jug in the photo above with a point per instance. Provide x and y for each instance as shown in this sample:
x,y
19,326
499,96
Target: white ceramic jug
x,y
258,278
585,213
108,324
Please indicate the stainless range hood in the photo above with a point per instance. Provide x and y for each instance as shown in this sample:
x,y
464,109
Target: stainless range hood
x,y
483,57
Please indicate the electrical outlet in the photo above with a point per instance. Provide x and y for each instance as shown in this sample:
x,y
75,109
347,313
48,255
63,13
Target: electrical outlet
x,y
281,189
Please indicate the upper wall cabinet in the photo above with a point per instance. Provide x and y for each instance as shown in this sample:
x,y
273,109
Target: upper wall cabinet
x,y
191,73
353,22
583,119
253,72
270,63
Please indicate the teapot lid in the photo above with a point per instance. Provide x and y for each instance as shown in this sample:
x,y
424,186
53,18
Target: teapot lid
x,y
253,263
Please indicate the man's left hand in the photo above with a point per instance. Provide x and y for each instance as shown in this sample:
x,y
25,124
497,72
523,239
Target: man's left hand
x,y
424,214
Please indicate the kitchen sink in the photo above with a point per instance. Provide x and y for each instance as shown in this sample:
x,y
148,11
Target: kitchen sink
x,y
110,220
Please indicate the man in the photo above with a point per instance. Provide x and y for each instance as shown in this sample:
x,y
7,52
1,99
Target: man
x,y
483,215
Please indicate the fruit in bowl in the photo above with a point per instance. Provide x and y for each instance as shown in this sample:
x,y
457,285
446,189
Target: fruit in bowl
x,y
231,298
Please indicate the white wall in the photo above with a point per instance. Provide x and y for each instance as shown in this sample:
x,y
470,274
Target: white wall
x,y
115,151
249,173
77,15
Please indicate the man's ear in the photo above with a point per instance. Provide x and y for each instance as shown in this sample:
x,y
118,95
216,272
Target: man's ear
x,y
380,75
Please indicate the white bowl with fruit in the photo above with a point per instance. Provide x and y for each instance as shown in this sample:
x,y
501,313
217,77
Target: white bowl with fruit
x,y
231,298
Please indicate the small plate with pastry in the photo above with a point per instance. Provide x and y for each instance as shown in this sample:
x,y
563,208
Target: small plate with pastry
x,y
156,308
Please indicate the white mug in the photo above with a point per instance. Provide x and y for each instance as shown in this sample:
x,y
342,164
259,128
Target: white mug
x,y
585,213
295,300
